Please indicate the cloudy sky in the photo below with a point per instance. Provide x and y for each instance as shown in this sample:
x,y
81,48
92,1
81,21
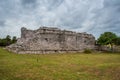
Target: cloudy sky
x,y
91,16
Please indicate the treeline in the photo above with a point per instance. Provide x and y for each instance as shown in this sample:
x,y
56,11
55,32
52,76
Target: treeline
x,y
7,41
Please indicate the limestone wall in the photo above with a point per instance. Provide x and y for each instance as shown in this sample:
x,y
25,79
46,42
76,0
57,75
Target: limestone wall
x,y
45,40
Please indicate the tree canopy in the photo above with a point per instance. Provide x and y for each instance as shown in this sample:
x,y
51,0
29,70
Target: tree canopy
x,y
107,38
117,41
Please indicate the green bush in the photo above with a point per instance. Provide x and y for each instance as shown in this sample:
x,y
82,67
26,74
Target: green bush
x,y
87,51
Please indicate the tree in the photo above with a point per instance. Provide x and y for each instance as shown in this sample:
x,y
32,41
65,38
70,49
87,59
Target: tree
x,y
14,39
8,39
107,38
3,42
117,41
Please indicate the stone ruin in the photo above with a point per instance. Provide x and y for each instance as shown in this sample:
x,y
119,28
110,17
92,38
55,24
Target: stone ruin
x,y
51,40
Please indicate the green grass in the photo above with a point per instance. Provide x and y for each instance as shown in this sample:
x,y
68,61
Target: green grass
x,y
75,66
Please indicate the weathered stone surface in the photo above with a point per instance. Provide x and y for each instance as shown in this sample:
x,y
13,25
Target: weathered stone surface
x,y
52,40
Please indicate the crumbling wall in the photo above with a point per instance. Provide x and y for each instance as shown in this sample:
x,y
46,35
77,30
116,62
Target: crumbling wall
x,y
47,40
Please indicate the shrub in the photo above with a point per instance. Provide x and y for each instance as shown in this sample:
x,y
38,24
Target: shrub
x,y
87,51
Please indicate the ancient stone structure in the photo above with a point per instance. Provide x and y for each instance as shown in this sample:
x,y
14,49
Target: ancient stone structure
x,y
52,40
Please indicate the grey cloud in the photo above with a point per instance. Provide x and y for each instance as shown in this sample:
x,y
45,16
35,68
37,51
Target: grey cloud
x,y
107,18
26,4
92,16
2,23
53,4
109,3
28,1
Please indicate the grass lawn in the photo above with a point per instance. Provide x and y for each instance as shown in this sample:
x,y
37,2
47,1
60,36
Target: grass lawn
x,y
73,66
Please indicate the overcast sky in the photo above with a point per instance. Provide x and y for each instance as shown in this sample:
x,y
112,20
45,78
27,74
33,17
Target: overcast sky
x,y
91,16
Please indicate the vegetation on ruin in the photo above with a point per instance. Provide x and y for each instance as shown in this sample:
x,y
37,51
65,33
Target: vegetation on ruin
x,y
72,66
